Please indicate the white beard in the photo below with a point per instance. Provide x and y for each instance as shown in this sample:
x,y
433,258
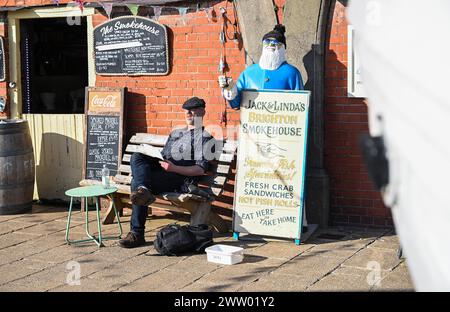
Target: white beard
x,y
272,59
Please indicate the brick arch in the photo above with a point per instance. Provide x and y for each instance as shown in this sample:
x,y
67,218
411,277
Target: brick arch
x,y
305,23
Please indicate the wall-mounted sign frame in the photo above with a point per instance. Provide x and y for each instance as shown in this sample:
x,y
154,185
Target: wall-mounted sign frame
x,y
103,131
355,87
2,60
131,45
271,159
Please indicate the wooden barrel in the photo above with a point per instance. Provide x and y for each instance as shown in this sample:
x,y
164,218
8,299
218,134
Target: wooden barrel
x,y
16,167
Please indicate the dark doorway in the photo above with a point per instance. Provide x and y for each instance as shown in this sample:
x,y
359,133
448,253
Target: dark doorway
x,y
54,65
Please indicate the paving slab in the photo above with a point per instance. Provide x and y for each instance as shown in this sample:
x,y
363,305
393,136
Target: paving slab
x,y
264,262
42,217
195,263
88,285
368,257
279,250
17,270
11,239
116,253
4,218
162,281
79,229
371,233
397,280
29,248
276,282
64,253
123,273
35,257
309,267
236,274
336,282
40,281
57,275
14,225
210,287
349,279
339,249
387,242
44,228
247,245
343,270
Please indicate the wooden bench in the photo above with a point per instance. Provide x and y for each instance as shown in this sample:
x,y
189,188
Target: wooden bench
x,y
199,207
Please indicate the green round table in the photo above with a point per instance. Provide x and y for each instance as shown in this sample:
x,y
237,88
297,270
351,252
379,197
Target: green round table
x,y
86,192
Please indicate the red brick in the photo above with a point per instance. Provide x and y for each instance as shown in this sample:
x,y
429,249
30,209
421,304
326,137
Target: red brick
x,y
161,123
352,192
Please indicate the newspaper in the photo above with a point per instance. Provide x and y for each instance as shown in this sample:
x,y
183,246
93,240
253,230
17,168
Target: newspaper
x,y
150,150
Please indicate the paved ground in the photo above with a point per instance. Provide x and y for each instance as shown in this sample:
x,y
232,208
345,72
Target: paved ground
x,y
34,257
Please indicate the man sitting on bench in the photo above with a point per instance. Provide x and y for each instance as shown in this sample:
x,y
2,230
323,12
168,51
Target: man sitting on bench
x,y
186,157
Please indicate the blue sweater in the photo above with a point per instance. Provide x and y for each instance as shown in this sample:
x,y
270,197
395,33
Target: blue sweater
x,y
285,77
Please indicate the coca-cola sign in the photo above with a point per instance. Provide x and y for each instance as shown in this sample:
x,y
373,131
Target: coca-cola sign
x,y
107,101
104,101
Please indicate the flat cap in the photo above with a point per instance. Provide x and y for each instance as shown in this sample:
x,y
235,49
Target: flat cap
x,y
194,102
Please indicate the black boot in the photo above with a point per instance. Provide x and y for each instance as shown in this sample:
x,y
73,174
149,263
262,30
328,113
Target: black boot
x,y
132,240
142,197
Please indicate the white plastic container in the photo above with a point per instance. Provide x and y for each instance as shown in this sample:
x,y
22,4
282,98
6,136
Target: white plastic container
x,y
225,254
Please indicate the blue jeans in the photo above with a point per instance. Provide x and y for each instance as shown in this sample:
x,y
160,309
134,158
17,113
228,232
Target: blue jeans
x,y
147,171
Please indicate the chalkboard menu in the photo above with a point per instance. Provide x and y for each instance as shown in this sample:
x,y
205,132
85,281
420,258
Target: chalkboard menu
x,y
103,131
2,60
102,145
131,45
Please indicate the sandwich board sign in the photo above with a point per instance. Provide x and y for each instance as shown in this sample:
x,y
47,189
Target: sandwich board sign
x,y
271,160
104,126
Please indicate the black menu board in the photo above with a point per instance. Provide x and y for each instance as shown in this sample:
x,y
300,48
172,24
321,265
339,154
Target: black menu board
x,y
103,131
2,60
131,45
102,145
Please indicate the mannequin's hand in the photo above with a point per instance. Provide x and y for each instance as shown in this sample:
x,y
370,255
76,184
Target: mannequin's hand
x,y
223,82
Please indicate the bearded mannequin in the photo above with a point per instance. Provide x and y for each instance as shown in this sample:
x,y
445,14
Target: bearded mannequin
x,y
272,58
272,71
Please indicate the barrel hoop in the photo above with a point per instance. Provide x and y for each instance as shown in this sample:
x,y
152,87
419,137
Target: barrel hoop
x,y
17,153
12,130
14,126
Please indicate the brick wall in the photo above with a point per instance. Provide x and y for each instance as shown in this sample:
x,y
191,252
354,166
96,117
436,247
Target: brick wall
x,y
154,102
353,200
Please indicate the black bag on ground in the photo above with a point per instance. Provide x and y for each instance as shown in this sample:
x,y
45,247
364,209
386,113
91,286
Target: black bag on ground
x,y
174,240
203,236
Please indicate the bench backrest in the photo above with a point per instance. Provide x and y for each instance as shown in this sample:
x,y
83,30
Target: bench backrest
x,y
215,179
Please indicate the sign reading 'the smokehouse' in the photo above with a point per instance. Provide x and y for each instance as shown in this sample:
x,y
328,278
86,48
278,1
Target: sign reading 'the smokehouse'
x,y
131,45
